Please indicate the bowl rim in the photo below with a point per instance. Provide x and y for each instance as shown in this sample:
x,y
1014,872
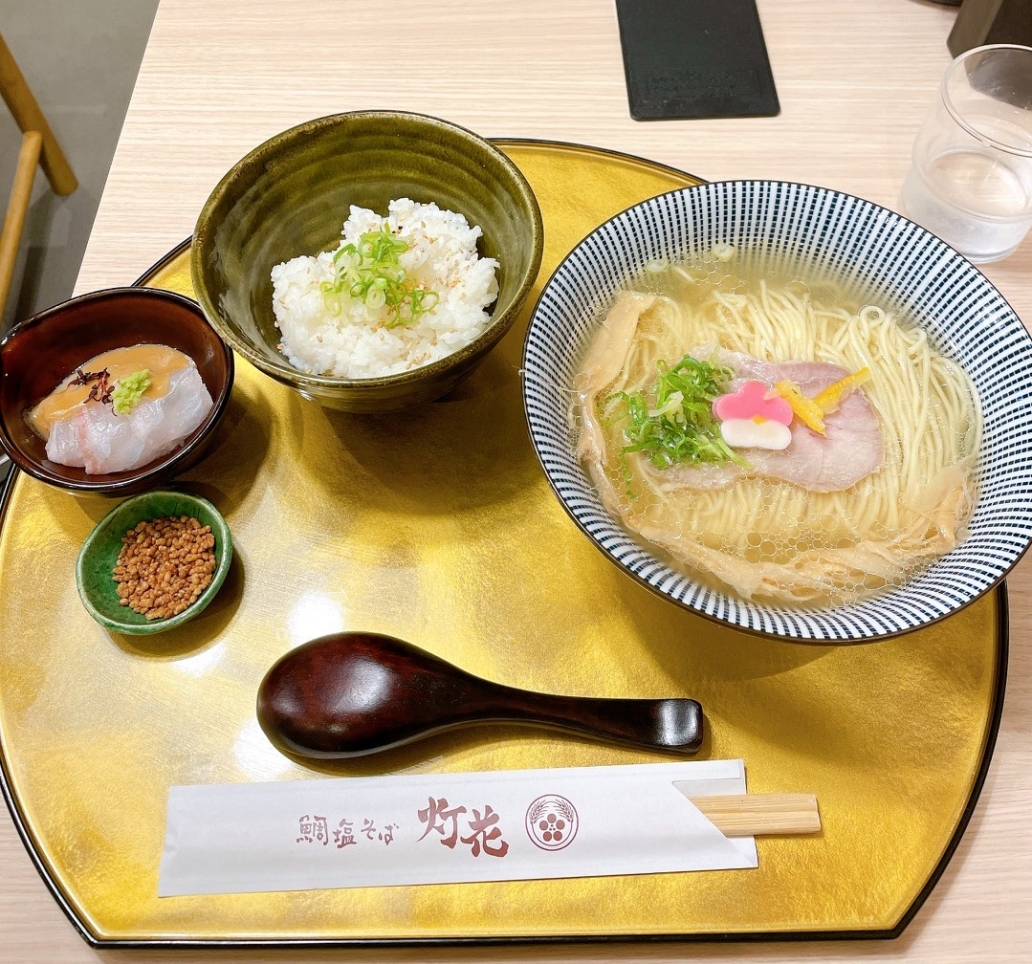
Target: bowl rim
x,y
224,561
810,617
499,323
106,484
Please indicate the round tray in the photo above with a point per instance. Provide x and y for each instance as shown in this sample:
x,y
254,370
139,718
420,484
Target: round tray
x,y
440,528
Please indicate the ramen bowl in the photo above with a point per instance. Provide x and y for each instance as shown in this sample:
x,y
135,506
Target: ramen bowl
x,y
290,197
782,227
40,352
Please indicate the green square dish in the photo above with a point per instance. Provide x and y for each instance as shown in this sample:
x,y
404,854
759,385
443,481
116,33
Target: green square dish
x,y
94,569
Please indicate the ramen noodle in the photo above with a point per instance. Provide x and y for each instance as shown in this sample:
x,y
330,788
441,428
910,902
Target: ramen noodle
x,y
770,438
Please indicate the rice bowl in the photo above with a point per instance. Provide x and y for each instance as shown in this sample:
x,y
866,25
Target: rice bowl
x,y
330,332
288,197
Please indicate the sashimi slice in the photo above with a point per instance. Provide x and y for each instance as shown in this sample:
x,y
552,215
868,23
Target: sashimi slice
x,y
103,442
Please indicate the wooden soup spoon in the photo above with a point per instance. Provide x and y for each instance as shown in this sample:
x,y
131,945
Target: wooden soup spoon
x,y
351,694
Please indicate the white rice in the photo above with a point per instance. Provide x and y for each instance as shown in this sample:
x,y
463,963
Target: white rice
x,y
441,257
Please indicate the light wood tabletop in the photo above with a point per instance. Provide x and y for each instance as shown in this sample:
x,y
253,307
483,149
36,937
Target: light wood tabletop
x,y
854,81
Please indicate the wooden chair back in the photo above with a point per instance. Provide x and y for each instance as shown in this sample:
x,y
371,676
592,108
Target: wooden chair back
x,y
38,146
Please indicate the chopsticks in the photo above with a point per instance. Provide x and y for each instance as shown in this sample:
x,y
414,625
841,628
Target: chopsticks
x,y
755,814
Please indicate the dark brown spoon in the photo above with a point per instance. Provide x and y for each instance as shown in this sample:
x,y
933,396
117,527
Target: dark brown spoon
x,y
350,694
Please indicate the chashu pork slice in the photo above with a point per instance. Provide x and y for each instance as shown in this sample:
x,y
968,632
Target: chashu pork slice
x,y
851,450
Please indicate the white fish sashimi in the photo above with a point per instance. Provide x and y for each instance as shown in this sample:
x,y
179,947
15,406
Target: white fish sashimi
x,y
102,442
63,444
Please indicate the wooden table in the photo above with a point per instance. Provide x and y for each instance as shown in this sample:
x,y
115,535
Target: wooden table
x,y
854,81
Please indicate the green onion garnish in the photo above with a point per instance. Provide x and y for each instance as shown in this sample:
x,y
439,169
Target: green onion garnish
x,y
371,272
673,422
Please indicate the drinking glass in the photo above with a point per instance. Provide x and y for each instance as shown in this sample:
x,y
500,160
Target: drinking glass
x,y
971,177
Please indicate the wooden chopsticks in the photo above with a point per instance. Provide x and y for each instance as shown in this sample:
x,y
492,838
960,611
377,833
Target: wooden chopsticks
x,y
755,814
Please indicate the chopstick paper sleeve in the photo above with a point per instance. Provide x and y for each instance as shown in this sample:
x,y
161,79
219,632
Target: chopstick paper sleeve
x,y
448,828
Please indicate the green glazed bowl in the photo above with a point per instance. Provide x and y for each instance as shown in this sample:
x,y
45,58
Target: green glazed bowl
x,y
99,554
291,195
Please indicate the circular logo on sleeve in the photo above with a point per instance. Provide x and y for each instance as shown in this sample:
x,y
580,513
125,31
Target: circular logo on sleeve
x,y
552,822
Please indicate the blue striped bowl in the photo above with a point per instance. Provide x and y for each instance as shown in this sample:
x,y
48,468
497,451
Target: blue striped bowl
x,y
865,245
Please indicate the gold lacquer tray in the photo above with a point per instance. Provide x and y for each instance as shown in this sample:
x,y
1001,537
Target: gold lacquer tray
x,y
438,526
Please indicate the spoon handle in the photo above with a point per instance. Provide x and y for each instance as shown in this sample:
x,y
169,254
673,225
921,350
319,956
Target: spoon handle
x,y
669,724
349,694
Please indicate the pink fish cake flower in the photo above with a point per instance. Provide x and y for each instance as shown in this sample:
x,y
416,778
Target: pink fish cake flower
x,y
751,418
